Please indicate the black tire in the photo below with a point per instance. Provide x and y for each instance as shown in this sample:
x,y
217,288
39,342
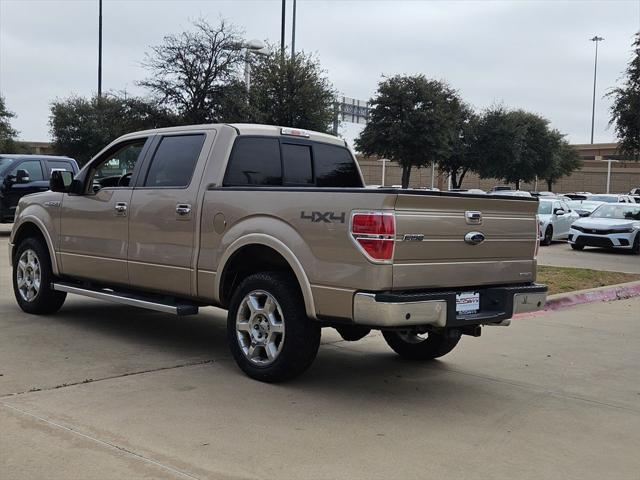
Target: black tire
x,y
301,338
577,247
412,347
45,300
636,245
548,236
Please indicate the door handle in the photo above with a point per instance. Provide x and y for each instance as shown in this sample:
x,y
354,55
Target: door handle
x,y
121,209
183,209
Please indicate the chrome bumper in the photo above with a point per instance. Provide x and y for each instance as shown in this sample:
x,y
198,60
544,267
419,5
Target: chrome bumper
x,y
438,309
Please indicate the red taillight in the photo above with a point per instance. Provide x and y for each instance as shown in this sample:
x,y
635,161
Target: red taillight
x,y
374,233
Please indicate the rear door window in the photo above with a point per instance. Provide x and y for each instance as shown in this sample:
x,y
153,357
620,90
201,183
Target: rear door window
x,y
174,161
335,167
296,162
58,165
254,161
33,168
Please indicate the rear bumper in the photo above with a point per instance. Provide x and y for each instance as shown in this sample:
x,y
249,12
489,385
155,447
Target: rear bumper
x,y
438,309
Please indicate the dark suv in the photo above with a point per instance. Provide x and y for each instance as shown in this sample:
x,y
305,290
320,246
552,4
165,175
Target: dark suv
x,y
21,175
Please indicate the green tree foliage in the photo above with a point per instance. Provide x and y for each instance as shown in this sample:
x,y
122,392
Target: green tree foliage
x,y
565,160
81,127
295,92
8,142
625,110
463,156
191,72
513,145
413,121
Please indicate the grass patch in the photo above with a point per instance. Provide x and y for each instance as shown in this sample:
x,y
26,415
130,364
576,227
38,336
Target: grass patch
x,y
565,279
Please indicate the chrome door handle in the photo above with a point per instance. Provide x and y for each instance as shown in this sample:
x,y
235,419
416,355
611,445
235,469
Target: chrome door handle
x,y
121,208
183,209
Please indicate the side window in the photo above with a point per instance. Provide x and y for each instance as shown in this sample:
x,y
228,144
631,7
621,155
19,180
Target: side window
x,y
58,165
174,161
254,161
116,167
31,166
296,163
335,167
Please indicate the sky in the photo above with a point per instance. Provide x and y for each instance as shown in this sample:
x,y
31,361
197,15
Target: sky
x,y
534,55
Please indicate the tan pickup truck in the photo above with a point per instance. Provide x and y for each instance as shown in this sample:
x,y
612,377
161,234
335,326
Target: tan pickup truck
x,y
275,225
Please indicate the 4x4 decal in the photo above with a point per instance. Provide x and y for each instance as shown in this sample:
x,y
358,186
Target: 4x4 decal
x,y
325,217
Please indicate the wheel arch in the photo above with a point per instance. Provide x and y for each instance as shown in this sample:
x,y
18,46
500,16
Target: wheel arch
x,y
268,253
33,227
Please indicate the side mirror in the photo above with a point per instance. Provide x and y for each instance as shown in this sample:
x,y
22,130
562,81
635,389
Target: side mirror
x,y
60,181
22,176
558,211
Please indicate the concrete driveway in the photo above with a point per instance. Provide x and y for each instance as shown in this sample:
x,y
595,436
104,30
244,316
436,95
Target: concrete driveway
x,y
560,254
109,392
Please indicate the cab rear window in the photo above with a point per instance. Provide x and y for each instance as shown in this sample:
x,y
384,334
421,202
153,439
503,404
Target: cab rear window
x,y
269,161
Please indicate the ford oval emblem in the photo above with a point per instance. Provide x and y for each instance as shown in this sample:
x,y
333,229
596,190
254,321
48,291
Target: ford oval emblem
x,y
474,238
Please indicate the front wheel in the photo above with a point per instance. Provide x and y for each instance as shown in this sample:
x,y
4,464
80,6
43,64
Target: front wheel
x,y
32,278
636,245
416,346
270,336
548,236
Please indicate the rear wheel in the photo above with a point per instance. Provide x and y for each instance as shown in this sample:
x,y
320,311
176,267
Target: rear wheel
x,y
577,247
416,346
32,278
269,333
548,236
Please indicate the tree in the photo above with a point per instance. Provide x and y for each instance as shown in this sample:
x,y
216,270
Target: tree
x,y
295,92
462,157
81,127
513,145
625,110
8,142
565,160
192,70
413,122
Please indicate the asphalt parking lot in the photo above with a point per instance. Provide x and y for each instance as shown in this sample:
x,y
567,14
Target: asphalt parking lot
x,y
560,254
105,391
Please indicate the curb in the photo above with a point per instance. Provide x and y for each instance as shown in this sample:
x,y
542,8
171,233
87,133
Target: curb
x,y
607,293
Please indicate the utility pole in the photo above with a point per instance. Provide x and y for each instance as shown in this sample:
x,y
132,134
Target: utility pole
x,y
595,39
282,24
293,32
99,48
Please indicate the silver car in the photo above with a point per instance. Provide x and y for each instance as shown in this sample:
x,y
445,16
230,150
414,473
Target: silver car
x,y
612,225
555,218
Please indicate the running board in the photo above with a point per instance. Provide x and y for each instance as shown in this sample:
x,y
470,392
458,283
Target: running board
x,y
134,300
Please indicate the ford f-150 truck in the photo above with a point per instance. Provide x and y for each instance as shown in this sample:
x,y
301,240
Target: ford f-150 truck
x,y
275,225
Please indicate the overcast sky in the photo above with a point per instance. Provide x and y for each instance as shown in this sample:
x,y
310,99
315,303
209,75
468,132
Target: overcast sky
x,y
527,54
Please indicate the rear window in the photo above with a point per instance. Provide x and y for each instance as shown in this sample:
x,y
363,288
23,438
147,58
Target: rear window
x,y
296,162
255,161
335,167
174,161
59,165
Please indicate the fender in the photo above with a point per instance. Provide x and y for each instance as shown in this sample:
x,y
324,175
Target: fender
x,y
282,249
45,233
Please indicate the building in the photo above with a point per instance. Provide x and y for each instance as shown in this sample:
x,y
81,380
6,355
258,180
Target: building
x,y
592,177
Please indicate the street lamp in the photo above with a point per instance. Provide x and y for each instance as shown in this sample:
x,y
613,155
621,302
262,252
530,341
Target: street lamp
x,y
595,39
252,46
609,162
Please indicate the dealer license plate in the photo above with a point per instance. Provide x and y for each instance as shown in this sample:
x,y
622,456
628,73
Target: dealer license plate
x,y
467,303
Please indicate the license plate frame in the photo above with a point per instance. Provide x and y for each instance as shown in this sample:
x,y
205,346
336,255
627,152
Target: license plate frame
x,y
467,303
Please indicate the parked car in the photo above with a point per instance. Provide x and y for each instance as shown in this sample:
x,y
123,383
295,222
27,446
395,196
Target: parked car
x,y
584,208
578,195
612,198
636,198
499,188
510,193
472,191
634,191
612,225
22,175
275,225
555,218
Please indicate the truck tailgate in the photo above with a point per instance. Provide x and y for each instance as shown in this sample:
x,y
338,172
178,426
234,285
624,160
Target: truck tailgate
x,y
431,251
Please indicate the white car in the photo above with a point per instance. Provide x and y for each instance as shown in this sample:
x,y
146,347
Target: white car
x,y
612,198
555,218
612,225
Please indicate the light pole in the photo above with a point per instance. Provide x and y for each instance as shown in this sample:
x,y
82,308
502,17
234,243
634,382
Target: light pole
x,y
284,16
595,39
609,162
293,32
252,46
384,168
99,48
